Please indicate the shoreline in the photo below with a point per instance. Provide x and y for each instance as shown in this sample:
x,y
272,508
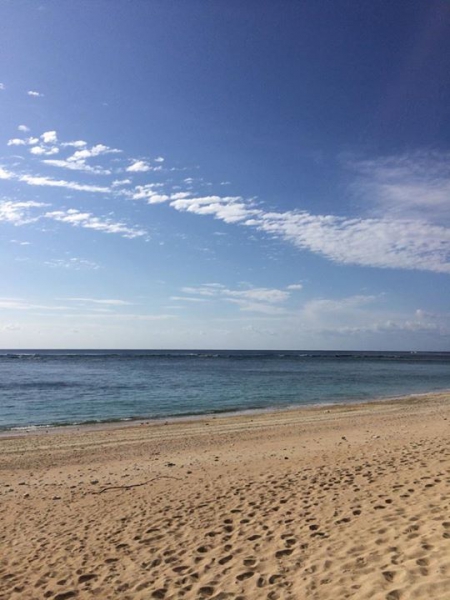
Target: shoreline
x,y
130,422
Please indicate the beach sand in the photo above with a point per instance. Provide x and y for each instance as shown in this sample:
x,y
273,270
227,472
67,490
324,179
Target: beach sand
x,y
333,502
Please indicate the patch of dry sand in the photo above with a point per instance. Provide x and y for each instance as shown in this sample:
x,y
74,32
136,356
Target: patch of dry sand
x,y
337,502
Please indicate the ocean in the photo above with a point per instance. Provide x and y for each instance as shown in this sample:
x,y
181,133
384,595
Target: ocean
x,y
56,388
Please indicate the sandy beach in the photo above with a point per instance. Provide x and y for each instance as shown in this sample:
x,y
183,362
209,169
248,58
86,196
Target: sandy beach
x,y
334,502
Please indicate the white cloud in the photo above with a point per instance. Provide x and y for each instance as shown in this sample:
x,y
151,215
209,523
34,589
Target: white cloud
x,y
120,182
406,238
77,161
408,186
20,142
97,150
44,151
20,304
149,192
23,128
77,166
71,185
16,142
159,159
407,205
295,286
49,137
381,243
49,182
19,243
86,220
35,94
2,86
23,213
187,299
139,166
4,174
327,306
74,263
258,294
262,300
75,144
19,213
226,208
103,301
180,195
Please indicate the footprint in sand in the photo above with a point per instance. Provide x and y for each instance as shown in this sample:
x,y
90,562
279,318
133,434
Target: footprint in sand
x,y
86,577
282,553
245,575
394,595
206,591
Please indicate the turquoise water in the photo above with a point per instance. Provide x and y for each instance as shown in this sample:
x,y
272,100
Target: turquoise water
x,y
66,387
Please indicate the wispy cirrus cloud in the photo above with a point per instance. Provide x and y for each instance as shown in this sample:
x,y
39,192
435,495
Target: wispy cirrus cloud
x,y
252,299
102,301
74,144
187,299
403,223
27,212
61,183
86,220
401,244
410,236
73,263
295,286
77,166
35,94
20,304
120,182
406,186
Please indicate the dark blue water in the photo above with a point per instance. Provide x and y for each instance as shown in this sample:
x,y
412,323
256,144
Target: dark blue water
x,y
66,387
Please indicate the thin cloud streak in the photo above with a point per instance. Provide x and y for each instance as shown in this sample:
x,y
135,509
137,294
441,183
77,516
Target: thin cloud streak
x,y
87,220
403,227
70,185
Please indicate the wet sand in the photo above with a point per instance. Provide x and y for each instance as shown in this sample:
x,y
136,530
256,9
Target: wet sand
x,y
333,502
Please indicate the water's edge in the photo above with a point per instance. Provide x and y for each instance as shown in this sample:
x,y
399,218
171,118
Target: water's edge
x,y
105,424
56,389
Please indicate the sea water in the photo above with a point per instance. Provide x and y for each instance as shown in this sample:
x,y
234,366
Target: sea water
x,y
60,387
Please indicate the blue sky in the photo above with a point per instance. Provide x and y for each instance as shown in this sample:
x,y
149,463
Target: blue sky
x,y
225,174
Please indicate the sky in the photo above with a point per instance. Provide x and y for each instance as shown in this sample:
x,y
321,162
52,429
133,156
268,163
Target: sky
x,y
225,174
